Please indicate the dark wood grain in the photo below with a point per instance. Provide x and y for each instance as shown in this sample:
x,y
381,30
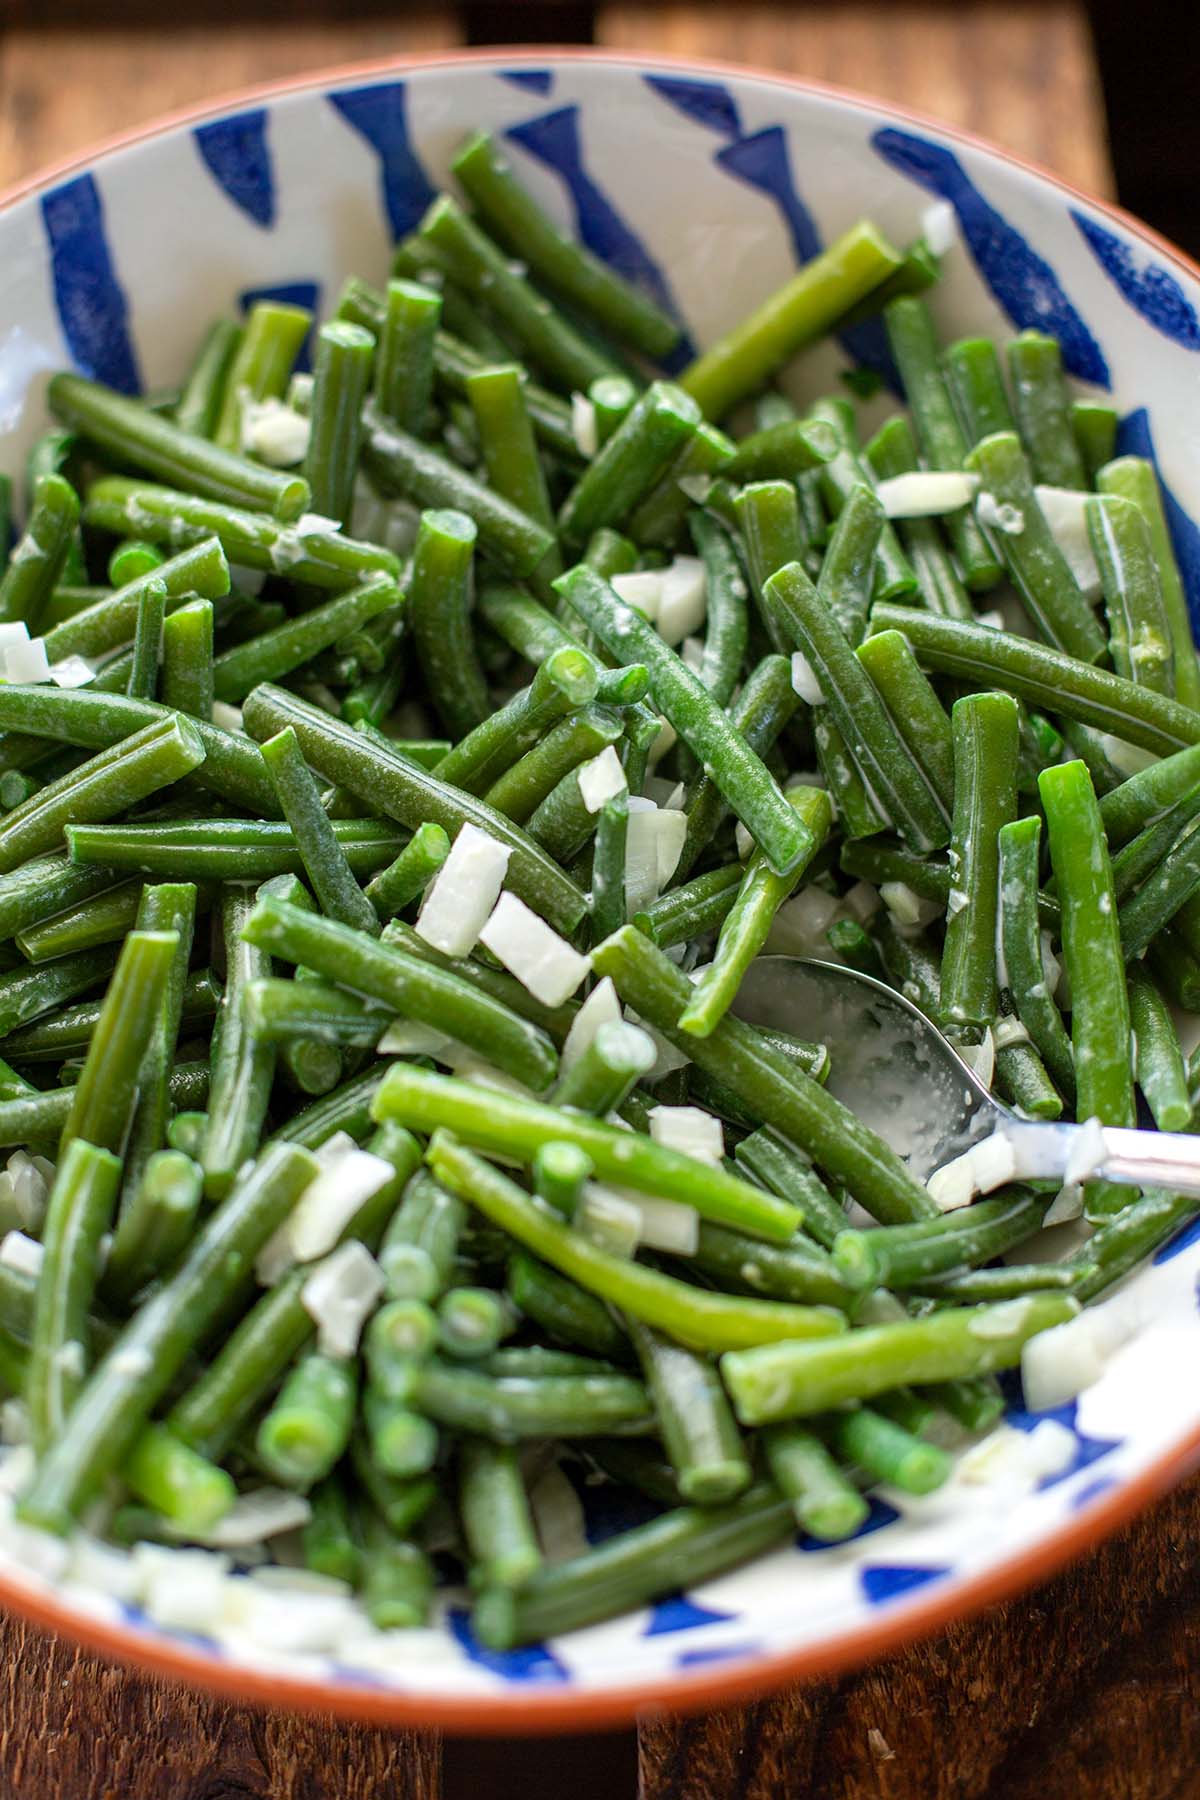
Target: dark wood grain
x,y
1088,1687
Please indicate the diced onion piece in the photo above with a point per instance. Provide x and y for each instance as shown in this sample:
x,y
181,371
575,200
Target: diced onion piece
x,y
1066,1205
27,661
1011,1458
72,672
799,927
994,619
601,779
583,425
12,633
666,740
668,1225
986,1165
1064,511
1088,1152
939,227
470,1067
408,1037
690,1130
102,1568
1058,1364
601,1007
669,1057
1000,515
24,1254
861,901
229,718
608,1219
463,893
331,1200
182,1590
653,846
906,906
275,433
804,681
28,1188
1130,759
981,1057
340,1296
542,962
692,652
255,1517
642,589
921,493
683,599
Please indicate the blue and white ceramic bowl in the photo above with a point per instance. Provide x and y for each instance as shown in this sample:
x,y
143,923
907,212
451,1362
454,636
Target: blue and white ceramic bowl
x,y
707,186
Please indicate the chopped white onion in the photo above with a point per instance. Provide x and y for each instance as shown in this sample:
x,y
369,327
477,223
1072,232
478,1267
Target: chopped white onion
x,y
408,1037
274,433
330,1201
653,845
601,779
683,599
692,652
1088,1152
906,906
583,426
986,1165
689,1130
27,661
340,1295
1058,1364
804,681
72,672
668,1225
601,1007
981,1057
463,893
182,1590
799,927
542,962
1065,512
743,842
102,1568
1001,515
861,901
669,1057
256,1517
1011,1458
229,718
24,1254
608,1219
939,227
920,493
641,589
1066,1205
993,620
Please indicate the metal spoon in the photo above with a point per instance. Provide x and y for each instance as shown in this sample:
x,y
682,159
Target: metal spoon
x,y
899,1074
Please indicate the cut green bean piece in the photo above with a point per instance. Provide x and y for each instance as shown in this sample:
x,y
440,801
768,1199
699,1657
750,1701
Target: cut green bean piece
x,y
155,1225
221,849
243,1063
308,1426
568,1312
107,1091
271,341
342,374
914,708
985,798
628,465
699,1433
1158,1059
1021,945
497,1522
38,557
824,1502
410,873
204,390
1139,634
324,859
181,1485
886,1451
1043,410
404,359
976,382
1095,426
187,650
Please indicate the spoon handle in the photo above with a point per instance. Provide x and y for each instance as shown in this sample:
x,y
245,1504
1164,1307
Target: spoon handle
x,y
1159,1159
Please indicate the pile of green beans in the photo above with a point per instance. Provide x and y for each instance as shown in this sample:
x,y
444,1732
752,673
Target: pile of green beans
x,y
615,1220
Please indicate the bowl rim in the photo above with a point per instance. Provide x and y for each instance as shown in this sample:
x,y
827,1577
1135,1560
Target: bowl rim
x,y
545,1711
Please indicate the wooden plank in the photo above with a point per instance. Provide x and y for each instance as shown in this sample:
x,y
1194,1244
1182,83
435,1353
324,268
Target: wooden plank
x,y
1021,73
73,1727
65,88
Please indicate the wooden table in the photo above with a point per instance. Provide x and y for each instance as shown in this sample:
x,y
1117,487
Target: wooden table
x,y
1090,1686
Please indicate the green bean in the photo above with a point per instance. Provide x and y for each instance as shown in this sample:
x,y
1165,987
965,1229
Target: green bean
x,y
187,650
846,568
106,784
574,740
798,313
509,1409
559,1172
857,711
519,223
1042,407
324,859
885,1451
35,1120
404,360
1045,678
1095,427
497,1523
568,677
1091,946
418,990
694,909
484,1118
1161,895
522,622
77,1215
740,774
471,1321
1007,1281
544,334
1142,799
342,373
893,451
107,1090
1123,1241
412,795
1038,569
765,1080
635,457
410,872
104,919
291,1011
169,907
37,559
221,849
142,683
261,364
893,576
510,453
599,1079
897,1256
154,1226
111,621
659,516
760,712
403,1442
1158,1059
243,1064
711,1093
554,1020
985,798
118,1397
308,550
781,1381
1139,634
566,1311
307,1428
694,1316
768,518
688,1545
398,1332
137,438
331,1544
823,1501
200,402
746,926
69,1030
788,449
181,1486
1021,946
976,382
726,626
699,1434
421,1242
397,1576
439,599
914,346
914,708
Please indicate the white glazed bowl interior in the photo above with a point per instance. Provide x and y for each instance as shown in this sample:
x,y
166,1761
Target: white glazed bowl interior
x,y
708,185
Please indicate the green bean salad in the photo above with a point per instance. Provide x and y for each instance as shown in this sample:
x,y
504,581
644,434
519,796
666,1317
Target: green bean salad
x,y
402,764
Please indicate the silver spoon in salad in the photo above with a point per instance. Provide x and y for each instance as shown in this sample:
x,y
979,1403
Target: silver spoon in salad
x,y
898,1073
